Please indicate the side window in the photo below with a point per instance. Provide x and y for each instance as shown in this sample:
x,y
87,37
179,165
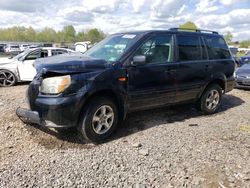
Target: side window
x,y
189,48
157,49
44,53
53,52
61,52
58,52
217,48
33,55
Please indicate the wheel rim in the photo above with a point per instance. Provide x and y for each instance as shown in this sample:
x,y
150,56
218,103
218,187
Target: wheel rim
x,y
6,79
213,99
103,119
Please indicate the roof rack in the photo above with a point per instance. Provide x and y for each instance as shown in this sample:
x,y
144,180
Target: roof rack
x,y
194,30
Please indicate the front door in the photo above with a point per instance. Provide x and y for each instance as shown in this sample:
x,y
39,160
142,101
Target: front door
x,y
26,67
153,84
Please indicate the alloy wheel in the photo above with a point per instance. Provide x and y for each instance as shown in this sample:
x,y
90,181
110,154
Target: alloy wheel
x,y
103,119
7,78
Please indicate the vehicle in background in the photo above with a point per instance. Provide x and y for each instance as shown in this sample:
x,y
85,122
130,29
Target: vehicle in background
x,y
242,76
20,68
23,47
82,46
246,58
47,45
12,49
234,51
127,72
35,46
2,47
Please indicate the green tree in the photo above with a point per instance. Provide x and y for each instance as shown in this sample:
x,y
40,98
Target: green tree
x,y
188,25
245,44
30,34
80,36
228,37
94,35
68,34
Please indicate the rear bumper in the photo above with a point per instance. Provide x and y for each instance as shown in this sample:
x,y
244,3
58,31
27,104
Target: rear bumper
x,y
230,84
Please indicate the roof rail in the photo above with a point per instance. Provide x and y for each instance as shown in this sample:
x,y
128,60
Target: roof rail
x,y
194,30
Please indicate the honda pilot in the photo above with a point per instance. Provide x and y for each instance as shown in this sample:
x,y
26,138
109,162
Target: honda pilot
x,y
127,72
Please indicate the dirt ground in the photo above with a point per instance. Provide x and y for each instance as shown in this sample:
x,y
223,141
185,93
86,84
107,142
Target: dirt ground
x,y
167,147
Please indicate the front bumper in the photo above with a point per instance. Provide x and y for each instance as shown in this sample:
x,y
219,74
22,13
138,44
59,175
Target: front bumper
x,y
242,83
28,116
239,85
32,117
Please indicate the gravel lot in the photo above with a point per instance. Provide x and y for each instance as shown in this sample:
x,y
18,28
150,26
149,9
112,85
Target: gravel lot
x,y
169,147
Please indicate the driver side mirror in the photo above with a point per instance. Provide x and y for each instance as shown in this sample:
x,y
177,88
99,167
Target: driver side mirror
x,y
139,60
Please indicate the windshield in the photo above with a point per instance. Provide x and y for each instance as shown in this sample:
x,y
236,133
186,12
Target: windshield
x,y
22,54
112,47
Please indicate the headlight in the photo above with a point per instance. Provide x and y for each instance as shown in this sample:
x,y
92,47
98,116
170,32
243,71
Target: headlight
x,y
55,85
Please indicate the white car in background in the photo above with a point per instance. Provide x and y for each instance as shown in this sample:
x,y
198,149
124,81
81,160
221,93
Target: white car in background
x,y
20,68
23,47
12,48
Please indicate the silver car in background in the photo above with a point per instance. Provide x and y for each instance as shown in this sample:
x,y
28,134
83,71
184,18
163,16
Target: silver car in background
x,y
242,76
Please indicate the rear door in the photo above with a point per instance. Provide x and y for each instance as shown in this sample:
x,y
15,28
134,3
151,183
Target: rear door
x,y
152,84
192,73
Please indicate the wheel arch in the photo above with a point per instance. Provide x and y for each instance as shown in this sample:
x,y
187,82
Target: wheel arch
x,y
220,81
115,96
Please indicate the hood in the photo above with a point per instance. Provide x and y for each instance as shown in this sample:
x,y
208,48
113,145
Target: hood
x,y
243,70
5,60
70,63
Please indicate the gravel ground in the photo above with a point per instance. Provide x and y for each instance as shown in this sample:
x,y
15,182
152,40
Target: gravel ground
x,y
168,147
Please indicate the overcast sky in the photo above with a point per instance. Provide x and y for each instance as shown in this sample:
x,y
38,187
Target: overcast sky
x,y
121,15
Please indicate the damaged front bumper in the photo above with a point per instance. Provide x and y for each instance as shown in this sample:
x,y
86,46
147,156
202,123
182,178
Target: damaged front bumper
x,y
28,116
32,117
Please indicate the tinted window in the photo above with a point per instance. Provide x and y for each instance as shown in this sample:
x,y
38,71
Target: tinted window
x,y
189,48
217,48
157,49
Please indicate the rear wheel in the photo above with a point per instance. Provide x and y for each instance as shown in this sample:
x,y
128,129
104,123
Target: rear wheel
x,y
210,99
99,119
7,78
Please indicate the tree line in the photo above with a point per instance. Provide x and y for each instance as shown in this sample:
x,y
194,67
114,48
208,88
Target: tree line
x,y
67,35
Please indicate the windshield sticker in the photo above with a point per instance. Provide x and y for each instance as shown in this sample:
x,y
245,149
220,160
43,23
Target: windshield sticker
x,y
128,36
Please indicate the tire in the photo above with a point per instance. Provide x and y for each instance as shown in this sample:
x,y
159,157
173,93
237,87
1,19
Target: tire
x,y
7,78
210,99
99,120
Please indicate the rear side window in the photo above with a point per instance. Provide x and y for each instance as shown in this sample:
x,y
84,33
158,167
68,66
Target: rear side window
x,y
189,48
217,48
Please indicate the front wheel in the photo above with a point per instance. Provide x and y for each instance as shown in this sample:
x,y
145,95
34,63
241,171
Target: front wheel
x,y
7,78
210,99
99,119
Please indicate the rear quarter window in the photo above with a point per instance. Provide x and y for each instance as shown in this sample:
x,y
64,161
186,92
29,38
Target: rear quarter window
x,y
217,47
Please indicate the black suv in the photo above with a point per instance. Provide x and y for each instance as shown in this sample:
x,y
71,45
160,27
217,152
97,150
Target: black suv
x,y
128,72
